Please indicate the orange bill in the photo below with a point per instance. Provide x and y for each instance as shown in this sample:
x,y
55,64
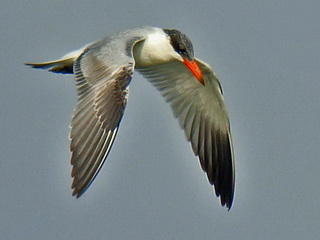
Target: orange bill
x,y
194,68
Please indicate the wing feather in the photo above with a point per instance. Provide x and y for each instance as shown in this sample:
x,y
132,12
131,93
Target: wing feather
x,y
202,114
102,92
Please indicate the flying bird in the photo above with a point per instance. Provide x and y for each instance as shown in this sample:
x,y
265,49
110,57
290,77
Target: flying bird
x,y
103,71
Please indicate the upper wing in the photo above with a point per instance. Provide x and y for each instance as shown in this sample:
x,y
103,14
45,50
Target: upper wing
x,y
202,114
102,97
103,71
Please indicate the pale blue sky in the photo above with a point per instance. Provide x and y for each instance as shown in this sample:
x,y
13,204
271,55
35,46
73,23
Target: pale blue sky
x,y
266,54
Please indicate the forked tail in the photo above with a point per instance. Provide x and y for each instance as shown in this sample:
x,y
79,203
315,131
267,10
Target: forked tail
x,y
63,65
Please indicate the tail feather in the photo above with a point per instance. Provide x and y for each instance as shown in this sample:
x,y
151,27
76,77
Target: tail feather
x,y
63,65
58,66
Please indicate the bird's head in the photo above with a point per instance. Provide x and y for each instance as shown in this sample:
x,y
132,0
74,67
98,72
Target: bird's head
x,y
183,46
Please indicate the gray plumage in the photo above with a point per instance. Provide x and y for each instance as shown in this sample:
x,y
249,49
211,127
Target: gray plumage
x,y
103,71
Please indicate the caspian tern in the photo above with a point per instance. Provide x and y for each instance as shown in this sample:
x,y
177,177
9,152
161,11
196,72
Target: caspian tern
x,y
103,71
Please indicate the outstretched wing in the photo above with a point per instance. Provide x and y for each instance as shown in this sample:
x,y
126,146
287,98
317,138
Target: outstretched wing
x,y
103,71
102,97
202,114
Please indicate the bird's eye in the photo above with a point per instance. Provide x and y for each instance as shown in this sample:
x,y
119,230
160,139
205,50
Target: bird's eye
x,y
182,49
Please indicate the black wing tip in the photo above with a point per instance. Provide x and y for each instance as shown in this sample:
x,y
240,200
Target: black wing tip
x,y
228,203
228,206
80,188
78,192
226,197
226,180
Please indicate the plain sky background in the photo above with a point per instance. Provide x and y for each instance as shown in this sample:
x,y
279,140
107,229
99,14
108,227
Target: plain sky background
x,y
266,54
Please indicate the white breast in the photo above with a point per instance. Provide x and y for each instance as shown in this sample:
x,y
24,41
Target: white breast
x,y
155,49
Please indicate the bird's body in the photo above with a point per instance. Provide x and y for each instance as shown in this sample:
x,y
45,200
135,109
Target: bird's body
x,y
103,71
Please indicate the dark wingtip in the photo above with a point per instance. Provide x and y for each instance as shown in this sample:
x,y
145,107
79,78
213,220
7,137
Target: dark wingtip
x,y
77,193
226,200
226,197
229,202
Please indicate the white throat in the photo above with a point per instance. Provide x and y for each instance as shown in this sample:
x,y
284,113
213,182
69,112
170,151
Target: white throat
x,y
155,49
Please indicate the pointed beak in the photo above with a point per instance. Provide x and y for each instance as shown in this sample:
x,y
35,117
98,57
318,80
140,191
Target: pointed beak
x,y
194,68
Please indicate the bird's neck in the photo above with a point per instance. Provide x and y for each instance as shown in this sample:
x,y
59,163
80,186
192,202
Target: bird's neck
x,y
155,49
